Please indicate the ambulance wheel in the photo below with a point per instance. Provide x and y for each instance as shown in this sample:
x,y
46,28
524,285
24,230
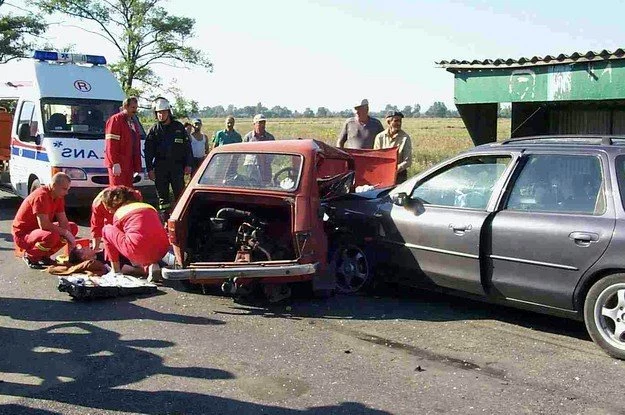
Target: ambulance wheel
x,y
34,185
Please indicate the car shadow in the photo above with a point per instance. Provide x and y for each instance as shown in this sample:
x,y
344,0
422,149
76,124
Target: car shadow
x,y
393,302
83,365
111,310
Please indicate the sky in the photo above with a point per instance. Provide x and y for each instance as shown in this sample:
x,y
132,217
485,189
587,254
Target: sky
x,y
300,53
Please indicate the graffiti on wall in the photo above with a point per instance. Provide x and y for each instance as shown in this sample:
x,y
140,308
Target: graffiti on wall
x,y
522,85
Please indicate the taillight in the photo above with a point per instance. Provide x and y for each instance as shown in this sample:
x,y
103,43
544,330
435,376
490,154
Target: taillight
x,y
171,231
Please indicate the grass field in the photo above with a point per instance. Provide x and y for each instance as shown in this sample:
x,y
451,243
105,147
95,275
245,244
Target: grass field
x,y
433,139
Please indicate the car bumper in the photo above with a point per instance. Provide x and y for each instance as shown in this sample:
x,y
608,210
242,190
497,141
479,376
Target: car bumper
x,y
221,273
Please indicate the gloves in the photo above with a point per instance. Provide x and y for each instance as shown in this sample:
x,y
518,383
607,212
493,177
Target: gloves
x,y
117,169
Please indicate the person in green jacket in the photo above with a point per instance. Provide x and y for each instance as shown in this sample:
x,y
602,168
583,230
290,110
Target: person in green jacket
x,y
228,135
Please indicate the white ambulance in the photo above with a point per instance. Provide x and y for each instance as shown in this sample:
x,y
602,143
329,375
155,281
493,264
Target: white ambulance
x,y
56,105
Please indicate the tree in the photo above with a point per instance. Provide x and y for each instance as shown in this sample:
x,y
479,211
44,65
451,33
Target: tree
x,y
17,33
184,108
308,113
416,111
143,33
389,108
260,109
437,110
505,111
323,112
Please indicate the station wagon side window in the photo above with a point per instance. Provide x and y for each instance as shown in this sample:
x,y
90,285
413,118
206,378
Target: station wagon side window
x,y
467,183
559,183
27,125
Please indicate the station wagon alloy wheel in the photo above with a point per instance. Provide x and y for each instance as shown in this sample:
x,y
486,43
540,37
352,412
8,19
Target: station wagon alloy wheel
x,y
352,269
604,313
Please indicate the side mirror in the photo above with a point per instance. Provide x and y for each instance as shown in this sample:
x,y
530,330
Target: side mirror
x,y
23,133
400,199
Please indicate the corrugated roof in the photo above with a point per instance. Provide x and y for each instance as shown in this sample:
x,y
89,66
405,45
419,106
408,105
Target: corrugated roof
x,y
562,58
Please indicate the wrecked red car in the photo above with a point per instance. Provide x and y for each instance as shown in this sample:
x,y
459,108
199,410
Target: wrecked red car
x,y
254,214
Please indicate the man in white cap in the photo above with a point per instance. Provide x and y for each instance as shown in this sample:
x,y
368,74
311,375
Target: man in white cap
x,y
360,130
258,133
256,166
168,155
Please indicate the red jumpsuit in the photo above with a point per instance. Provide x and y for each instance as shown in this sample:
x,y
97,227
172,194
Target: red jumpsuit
x,y
100,216
137,234
122,145
28,237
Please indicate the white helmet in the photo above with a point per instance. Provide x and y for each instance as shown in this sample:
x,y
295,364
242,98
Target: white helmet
x,y
161,104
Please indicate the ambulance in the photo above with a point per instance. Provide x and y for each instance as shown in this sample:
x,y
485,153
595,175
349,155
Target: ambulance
x,y
53,109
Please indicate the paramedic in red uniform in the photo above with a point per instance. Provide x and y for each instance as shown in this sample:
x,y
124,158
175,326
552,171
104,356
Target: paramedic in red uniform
x,y
101,216
136,232
34,231
122,144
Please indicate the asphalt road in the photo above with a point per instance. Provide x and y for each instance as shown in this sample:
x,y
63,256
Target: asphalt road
x,y
403,352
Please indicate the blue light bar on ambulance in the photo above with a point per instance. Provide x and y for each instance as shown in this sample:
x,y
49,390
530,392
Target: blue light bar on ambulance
x,y
47,55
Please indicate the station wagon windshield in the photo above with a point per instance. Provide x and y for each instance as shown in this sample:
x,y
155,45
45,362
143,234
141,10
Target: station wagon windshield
x,y
82,118
264,171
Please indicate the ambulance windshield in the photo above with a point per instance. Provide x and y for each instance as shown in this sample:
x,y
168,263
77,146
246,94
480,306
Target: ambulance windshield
x,y
81,118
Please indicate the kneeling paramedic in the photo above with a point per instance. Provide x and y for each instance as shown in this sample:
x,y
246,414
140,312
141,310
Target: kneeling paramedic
x,y
168,155
35,234
136,232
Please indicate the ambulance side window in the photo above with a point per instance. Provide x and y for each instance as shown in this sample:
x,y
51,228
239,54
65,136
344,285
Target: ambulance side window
x,y
25,123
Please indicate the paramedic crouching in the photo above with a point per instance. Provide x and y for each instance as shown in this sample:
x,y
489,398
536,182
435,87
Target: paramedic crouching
x,y
136,231
33,231
101,216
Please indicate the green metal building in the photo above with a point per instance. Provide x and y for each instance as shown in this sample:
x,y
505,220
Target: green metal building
x,y
564,94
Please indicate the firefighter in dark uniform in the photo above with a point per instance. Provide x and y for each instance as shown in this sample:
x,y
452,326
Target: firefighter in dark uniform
x,y
168,155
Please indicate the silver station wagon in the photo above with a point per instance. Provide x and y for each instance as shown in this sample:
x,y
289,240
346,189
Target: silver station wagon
x,y
535,222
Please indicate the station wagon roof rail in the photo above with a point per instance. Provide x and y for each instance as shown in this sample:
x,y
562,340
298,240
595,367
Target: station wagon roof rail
x,y
568,139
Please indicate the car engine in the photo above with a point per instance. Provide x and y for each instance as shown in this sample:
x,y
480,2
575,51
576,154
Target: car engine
x,y
235,235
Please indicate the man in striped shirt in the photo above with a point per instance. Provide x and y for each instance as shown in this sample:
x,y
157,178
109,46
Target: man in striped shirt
x,y
122,145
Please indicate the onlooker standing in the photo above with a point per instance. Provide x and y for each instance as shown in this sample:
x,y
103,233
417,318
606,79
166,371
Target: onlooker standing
x,y
360,131
188,127
228,135
199,144
394,136
168,155
122,144
33,231
256,166
259,133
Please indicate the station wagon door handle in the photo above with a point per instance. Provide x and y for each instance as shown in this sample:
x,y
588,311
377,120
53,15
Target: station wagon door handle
x,y
584,238
460,229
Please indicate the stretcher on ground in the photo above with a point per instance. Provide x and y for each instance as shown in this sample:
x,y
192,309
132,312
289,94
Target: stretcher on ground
x,y
85,287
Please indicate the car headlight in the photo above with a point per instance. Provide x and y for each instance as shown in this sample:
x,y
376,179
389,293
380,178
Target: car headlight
x,y
73,172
